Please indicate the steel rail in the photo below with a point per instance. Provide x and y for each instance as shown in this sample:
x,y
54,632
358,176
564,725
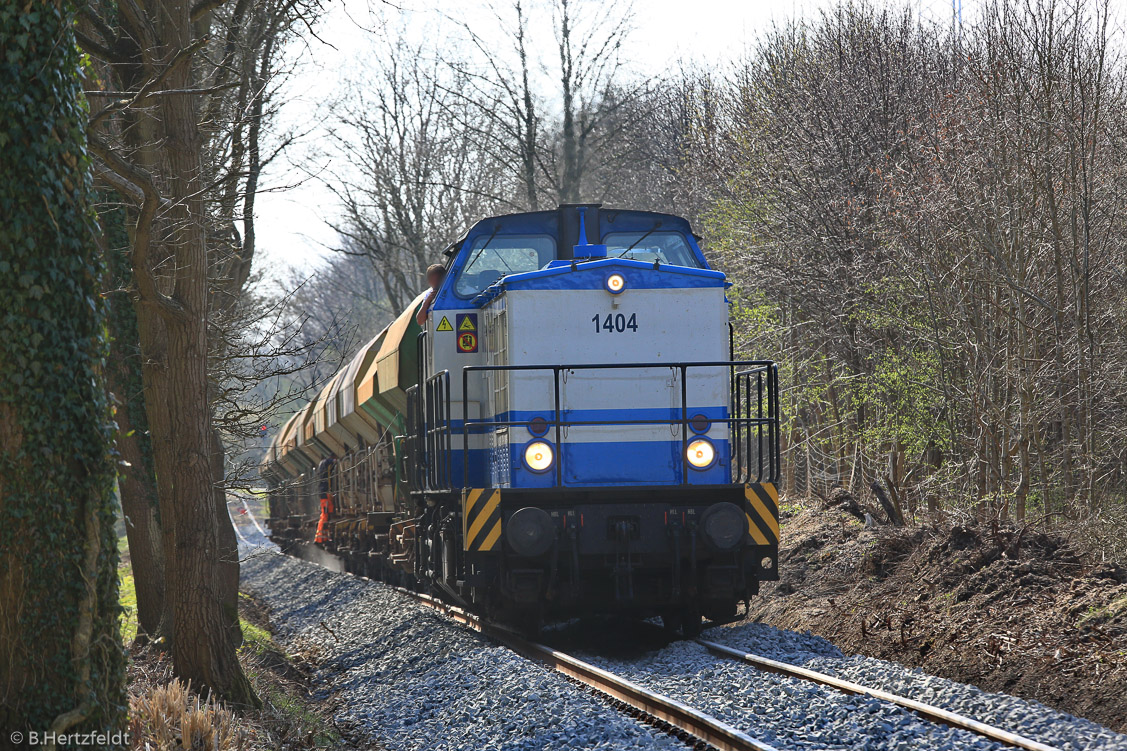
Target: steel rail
x,y
927,711
659,710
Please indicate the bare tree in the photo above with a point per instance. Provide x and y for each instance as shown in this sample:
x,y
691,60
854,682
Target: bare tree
x,y
179,101
417,179
548,150
927,228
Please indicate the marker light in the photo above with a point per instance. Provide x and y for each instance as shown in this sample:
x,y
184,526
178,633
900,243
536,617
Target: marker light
x,y
616,283
538,456
700,454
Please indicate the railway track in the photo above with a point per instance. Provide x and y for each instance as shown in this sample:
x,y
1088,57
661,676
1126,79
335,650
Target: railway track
x,y
693,725
927,711
687,723
662,712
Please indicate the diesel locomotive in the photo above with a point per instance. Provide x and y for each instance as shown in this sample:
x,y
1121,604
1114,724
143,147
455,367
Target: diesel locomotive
x,y
568,433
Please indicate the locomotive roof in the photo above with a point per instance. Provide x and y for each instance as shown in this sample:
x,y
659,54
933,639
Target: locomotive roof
x,y
549,222
573,229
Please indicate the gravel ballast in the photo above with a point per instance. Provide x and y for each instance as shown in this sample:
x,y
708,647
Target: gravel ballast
x,y
414,680
786,712
1027,718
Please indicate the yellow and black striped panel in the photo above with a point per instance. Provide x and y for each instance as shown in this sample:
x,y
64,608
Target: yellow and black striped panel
x,y
481,519
761,504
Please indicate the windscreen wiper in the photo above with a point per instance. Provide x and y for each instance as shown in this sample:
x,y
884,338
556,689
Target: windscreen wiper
x,y
643,237
483,248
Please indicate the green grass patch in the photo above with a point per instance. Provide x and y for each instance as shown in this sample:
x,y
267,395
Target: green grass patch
x,y
127,597
300,714
256,638
291,713
1094,613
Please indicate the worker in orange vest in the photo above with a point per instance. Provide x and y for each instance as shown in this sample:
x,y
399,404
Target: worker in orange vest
x,y
324,473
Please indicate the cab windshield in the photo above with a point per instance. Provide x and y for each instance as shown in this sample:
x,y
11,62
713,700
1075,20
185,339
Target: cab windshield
x,y
491,258
664,247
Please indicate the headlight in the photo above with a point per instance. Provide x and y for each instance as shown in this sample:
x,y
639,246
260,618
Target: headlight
x,y
700,453
538,456
616,283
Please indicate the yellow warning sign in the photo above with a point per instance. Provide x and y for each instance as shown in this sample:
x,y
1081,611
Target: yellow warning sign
x,y
467,323
444,325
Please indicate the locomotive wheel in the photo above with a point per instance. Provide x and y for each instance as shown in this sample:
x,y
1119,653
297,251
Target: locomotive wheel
x,y
721,612
671,621
690,621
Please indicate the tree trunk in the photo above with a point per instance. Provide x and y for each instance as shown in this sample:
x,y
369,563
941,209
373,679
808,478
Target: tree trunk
x,y
62,667
891,506
227,543
202,650
142,525
528,132
569,185
137,485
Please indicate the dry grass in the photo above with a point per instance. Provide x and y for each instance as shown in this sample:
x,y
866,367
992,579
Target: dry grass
x,y
166,714
170,717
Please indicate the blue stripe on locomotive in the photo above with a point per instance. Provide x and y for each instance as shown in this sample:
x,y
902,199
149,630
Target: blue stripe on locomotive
x,y
609,465
604,463
594,463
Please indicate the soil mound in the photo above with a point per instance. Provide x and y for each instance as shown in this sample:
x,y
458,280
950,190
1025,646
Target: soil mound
x,y
1001,607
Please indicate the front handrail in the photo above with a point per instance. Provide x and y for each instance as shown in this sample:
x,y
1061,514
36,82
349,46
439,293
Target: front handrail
x,y
437,429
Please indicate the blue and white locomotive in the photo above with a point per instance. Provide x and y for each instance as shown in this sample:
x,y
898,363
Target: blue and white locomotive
x,y
578,438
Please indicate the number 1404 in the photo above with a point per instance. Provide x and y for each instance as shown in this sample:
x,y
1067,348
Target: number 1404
x,y
615,323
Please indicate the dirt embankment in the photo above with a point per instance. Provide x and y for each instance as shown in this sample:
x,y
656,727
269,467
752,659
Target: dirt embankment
x,y
997,607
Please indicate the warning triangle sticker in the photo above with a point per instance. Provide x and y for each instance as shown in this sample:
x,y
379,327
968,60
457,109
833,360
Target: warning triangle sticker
x,y
444,325
467,324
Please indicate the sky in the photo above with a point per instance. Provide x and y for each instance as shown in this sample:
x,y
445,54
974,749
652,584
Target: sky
x,y
292,215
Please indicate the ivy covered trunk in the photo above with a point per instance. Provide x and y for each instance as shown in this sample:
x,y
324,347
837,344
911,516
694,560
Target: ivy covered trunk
x,y
61,660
